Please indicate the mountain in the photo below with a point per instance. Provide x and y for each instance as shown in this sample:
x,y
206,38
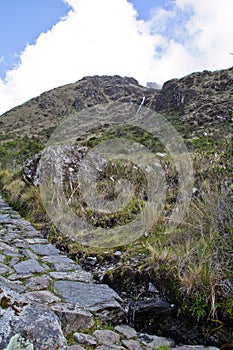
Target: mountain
x,y
198,104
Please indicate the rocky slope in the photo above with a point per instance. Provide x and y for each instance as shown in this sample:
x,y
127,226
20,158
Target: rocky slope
x,y
198,104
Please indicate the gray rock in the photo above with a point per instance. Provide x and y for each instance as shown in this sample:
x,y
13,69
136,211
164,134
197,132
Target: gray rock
x,y
112,347
45,249
36,240
106,337
63,267
75,347
15,286
42,296
27,266
98,298
196,347
56,259
154,342
127,331
37,325
38,283
84,339
73,317
132,344
79,275
19,276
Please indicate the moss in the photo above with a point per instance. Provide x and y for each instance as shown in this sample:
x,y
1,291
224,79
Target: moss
x,y
19,343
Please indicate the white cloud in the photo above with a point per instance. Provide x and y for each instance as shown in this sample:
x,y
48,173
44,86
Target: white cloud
x,y
105,37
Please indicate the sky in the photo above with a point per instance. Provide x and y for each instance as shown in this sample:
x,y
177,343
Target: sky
x,y
48,43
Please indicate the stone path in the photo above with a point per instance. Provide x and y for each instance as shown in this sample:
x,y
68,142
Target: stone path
x,y
48,302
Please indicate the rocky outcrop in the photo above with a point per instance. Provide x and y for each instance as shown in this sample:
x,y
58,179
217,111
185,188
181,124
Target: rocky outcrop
x,y
201,101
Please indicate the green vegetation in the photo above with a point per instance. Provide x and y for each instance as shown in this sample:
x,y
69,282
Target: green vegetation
x,y
196,258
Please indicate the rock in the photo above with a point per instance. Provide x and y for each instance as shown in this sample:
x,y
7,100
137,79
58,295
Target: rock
x,y
17,342
36,326
63,259
73,317
196,347
27,266
44,249
15,286
154,342
99,299
127,331
75,347
106,337
42,296
85,339
38,283
79,275
132,344
144,309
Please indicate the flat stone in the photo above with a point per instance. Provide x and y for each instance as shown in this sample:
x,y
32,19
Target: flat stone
x,y
85,339
36,241
19,276
44,249
98,298
57,259
79,275
5,269
112,347
132,344
26,266
127,331
73,317
153,342
39,283
2,258
63,267
15,286
45,297
106,337
196,347
75,347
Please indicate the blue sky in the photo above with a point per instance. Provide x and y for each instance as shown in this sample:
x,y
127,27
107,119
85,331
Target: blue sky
x,y
48,43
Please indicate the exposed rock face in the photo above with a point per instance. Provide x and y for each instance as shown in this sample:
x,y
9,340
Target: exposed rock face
x,y
202,100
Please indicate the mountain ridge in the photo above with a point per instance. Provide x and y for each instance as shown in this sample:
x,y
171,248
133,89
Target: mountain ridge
x,y
202,100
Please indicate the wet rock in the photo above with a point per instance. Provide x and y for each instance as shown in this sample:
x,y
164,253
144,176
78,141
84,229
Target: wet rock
x,y
73,317
97,298
127,331
85,339
144,309
106,337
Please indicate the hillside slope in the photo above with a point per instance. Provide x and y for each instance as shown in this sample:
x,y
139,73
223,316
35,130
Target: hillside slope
x,y
198,104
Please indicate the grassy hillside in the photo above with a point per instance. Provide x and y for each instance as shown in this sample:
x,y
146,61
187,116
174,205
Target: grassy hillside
x,y
197,257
